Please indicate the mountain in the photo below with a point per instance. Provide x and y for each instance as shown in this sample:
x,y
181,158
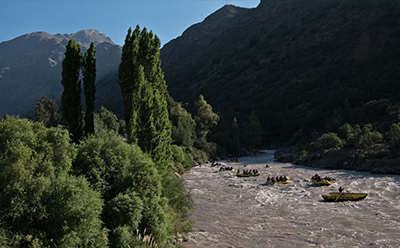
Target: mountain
x,y
299,64
302,66
31,64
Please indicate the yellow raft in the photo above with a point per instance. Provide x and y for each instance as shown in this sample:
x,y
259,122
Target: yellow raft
x,y
280,182
248,175
344,196
322,182
226,170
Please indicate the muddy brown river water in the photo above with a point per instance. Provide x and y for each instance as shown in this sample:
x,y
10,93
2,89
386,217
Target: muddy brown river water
x,y
234,211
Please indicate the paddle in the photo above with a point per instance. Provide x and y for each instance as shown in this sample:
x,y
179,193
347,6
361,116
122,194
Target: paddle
x,y
339,194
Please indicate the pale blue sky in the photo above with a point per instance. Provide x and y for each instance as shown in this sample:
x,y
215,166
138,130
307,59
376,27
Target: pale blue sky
x,y
167,18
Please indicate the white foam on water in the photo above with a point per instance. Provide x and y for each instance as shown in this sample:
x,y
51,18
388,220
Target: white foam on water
x,y
295,213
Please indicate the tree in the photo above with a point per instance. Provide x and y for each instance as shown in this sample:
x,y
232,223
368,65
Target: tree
x,y
105,120
89,78
71,96
129,183
74,211
252,132
39,198
144,92
147,120
127,73
144,131
393,136
358,137
330,140
235,137
183,126
46,111
205,119
161,142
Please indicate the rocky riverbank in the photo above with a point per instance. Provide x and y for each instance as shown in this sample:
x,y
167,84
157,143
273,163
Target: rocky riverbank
x,y
375,161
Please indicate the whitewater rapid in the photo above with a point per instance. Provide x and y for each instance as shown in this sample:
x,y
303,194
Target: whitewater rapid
x,y
234,211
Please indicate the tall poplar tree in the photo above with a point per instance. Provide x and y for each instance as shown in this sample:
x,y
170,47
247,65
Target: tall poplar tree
x,y
146,112
161,142
127,71
89,78
71,96
149,57
145,129
146,115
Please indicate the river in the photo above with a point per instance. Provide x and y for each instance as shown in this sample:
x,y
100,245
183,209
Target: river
x,y
238,212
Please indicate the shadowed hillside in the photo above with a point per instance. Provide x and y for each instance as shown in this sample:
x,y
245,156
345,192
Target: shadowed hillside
x,y
296,63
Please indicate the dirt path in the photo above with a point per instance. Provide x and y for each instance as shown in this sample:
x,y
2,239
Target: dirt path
x,y
245,212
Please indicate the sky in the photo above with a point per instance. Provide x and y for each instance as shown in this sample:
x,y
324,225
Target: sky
x,y
167,18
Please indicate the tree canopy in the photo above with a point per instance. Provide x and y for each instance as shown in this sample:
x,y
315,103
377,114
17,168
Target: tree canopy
x,y
39,201
89,78
71,96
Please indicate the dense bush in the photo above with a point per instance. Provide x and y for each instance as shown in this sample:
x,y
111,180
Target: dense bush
x,y
40,204
393,136
327,141
358,137
128,182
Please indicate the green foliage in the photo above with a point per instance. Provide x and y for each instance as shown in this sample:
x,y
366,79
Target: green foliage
x,y
183,159
125,209
393,136
122,127
179,197
358,137
74,210
115,194
148,125
40,204
327,141
298,73
127,180
144,92
71,96
125,237
252,132
105,120
183,126
205,119
161,142
46,111
145,130
228,136
89,78
127,74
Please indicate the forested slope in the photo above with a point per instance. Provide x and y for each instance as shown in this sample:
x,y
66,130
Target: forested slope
x,y
299,64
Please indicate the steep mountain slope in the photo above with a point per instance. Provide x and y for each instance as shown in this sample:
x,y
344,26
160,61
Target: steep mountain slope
x,y
30,67
294,62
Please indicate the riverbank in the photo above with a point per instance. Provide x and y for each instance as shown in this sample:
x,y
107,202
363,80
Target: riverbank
x,y
347,159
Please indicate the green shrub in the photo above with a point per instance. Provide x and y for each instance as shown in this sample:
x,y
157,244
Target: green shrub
x,y
128,181
330,140
40,203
